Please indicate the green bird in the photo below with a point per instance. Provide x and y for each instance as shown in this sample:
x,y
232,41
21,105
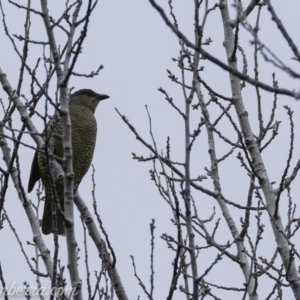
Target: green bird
x,y
82,107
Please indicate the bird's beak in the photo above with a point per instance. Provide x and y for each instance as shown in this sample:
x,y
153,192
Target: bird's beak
x,y
102,97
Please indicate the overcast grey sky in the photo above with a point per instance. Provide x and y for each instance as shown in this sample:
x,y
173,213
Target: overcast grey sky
x,y
135,46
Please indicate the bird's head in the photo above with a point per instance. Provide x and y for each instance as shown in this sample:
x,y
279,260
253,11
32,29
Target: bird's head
x,y
87,98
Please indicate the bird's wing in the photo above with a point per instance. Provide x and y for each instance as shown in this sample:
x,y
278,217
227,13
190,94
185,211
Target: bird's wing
x,y
34,173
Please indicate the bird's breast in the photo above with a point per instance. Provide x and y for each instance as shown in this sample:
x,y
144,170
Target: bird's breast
x,y
84,132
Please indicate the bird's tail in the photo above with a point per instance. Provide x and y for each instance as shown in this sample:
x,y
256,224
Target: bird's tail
x,y
47,216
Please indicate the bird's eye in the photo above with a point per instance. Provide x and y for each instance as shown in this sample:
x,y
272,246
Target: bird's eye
x,y
88,94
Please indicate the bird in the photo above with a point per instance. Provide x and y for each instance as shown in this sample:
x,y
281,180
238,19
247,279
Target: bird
x,y
82,106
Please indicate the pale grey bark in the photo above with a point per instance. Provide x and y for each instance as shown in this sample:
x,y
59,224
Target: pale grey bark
x,y
101,247
37,236
62,78
257,161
